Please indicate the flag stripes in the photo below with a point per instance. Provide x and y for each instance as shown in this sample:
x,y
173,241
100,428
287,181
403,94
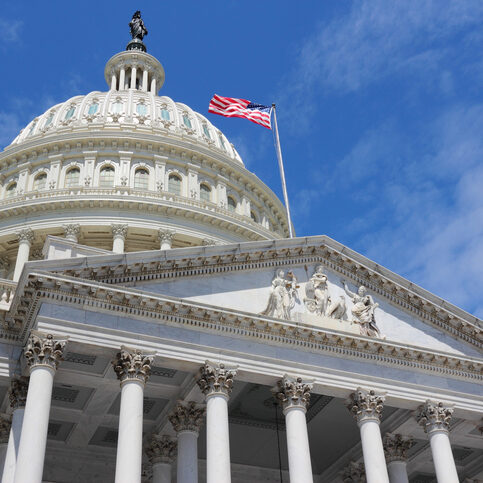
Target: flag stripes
x,y
233,107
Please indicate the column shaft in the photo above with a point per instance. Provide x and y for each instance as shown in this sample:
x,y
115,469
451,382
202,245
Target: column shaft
x,y
217,439
373,451
443,457
153,85
31,452
397,472
187,461
145,80
113,82
118,244
3,454
129,444
22,257
13,446
162,473
122,79
300,466
133,78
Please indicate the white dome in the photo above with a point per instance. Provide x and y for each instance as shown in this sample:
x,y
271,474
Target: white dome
x,y
128,110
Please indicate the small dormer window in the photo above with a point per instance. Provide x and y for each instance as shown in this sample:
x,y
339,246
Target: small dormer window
x,y
206,131
40,182
141,179
106,177
231,204
253,217
187,121
72,177
93,109
11,190
69,113
49,120
174,184
165,114
222,142
205,192
141,109
31,130
117,107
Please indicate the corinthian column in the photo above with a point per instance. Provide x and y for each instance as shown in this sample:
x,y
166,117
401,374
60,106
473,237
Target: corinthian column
x,y
72,232
216,382
165,238
132,369
366,407
186,420
43,354
294,395
25,239
354,473
160,452
119,233
18,398
5,424
434,417
396,447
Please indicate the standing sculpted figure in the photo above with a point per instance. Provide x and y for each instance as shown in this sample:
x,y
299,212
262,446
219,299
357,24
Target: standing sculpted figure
x,y
138,30
318,290
282,298
363,310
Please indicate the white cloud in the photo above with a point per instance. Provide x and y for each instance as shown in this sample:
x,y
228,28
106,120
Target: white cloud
x,y
10,30
9,127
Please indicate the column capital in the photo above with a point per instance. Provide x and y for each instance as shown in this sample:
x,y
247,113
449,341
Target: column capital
x,y
434,416
18,392
132,365
366,405
44,350
216,378
119,231
293,392
25,235
187,416
165,235
354,473
71,231
5,424
396,447
161,449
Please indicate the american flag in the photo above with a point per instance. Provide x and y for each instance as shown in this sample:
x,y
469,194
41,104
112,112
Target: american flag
x,y
232,107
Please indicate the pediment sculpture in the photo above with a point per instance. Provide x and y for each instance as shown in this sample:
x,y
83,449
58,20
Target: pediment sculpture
x,y
283,296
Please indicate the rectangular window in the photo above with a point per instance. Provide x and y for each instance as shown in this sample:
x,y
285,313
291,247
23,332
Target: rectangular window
x,y
165,114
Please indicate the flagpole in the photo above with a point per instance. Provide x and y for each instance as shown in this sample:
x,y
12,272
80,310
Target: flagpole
x,y
282,173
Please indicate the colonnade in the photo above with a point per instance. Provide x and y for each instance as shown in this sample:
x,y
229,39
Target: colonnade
x,y
384,460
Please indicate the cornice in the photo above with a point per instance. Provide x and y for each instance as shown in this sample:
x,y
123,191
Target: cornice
x,y
289,252
97,296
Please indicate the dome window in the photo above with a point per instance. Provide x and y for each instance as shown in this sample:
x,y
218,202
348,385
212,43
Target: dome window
x,y
141,179
205,192
253,217
31,130
222,142
48,121
174,184
72,177
93,109
231,204
165,114
206,131
141,109
40,181
117,107
69,113
11,190
106,177
187,121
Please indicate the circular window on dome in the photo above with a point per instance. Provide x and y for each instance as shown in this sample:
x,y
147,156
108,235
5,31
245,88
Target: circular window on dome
x,y
11,190
231,204
205,192
141,179
106,177
174,184
40,181
72,177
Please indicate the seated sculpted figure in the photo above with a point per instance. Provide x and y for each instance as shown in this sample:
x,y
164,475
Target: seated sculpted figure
x,y
363,310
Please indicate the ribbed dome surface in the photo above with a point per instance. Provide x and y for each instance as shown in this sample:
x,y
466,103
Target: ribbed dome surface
x,y
128,110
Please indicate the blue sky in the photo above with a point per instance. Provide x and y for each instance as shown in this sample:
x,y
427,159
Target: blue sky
x,y
380,108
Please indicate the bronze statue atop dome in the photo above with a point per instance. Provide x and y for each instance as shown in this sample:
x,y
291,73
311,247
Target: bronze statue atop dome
x,y
138,30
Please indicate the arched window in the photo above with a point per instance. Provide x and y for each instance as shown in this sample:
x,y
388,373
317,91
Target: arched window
x,y
174,184
72,177
231,204
206,131
205,192
253,217
69,113
141,179
93,108
106,177
48,121
187,121
11,190
165,114
40,181
222,142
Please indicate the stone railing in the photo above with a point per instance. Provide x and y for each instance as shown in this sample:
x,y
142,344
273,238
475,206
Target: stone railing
x,y
135,194
7,291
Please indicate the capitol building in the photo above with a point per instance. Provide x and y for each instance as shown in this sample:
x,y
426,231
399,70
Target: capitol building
x,y
158,324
